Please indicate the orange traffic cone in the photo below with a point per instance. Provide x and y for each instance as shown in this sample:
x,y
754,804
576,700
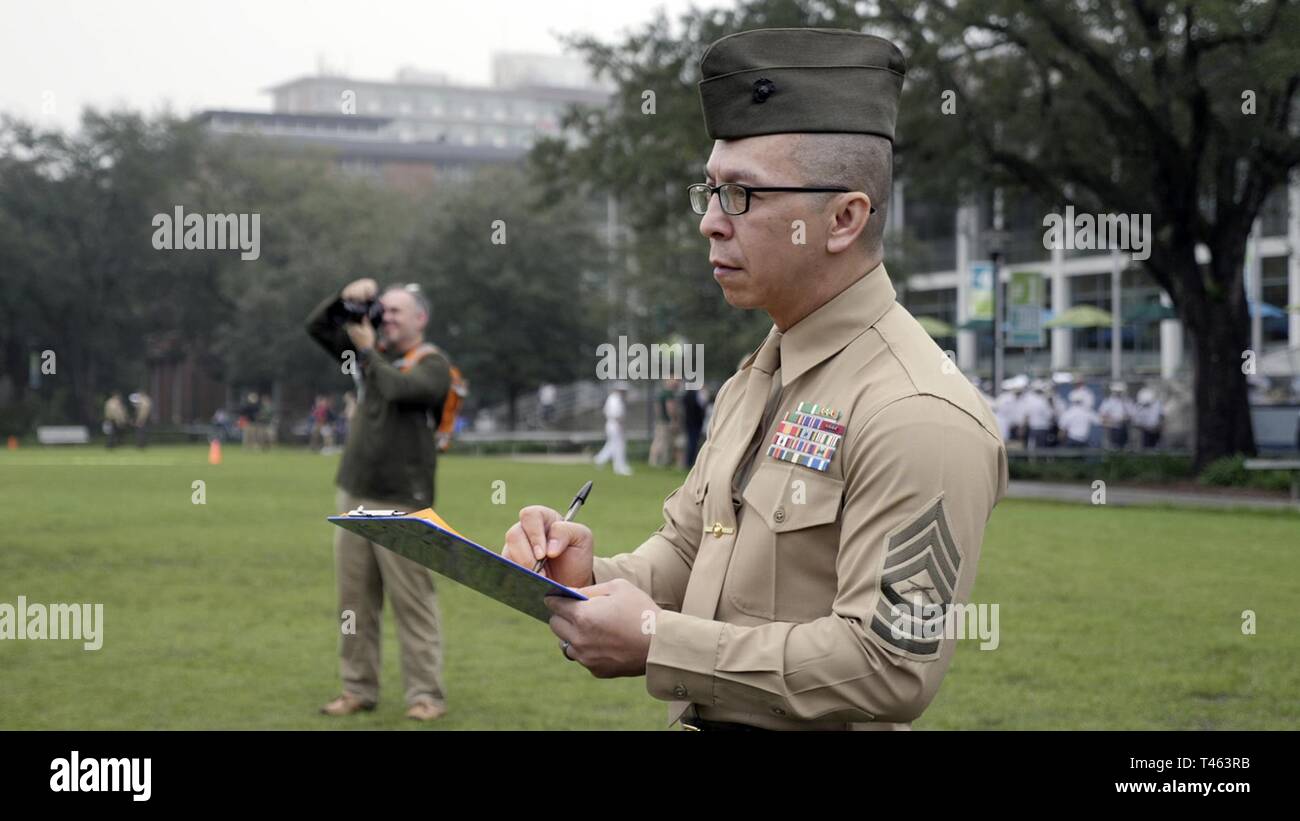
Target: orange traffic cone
x,y
13,443
214,452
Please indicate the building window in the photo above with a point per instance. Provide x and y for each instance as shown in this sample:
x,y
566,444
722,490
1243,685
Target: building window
x,y
1275,293
1273,214
1136,290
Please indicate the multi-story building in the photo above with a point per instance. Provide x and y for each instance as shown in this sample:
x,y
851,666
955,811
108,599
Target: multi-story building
x,y
943,241
421,127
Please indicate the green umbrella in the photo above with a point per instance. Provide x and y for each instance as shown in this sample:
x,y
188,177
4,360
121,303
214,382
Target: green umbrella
x,y
985,325
936,327
1081,316
1149,312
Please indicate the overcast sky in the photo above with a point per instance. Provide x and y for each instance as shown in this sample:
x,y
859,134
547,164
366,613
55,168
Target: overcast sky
x,y
62,55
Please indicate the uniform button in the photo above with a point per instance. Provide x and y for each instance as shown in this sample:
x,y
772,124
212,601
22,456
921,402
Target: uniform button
x,y
779,515
680,691
778,711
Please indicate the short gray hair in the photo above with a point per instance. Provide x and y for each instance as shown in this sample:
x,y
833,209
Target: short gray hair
x,y
860,162
417,294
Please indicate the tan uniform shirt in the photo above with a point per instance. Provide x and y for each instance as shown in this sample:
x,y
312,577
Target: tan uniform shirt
x,y
143,410
785,585
115,411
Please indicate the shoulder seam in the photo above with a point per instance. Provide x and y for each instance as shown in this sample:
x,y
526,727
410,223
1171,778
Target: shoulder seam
x,y
931,395
890,345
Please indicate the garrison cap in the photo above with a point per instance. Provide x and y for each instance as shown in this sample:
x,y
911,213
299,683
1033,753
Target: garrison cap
x,y
773,81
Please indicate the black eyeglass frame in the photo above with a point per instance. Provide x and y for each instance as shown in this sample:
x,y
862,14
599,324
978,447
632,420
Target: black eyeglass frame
x,y
751,189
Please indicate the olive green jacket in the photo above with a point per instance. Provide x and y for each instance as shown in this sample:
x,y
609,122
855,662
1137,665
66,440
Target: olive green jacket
x,y
390,455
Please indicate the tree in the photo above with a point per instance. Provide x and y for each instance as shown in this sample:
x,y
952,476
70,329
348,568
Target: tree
x,y
81,277
319,230
1182,111
512,276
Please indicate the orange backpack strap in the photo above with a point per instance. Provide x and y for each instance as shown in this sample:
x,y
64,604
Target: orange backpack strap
x,y
456,393
413,356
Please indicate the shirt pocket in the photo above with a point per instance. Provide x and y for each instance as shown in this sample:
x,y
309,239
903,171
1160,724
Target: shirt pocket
x,y
783,565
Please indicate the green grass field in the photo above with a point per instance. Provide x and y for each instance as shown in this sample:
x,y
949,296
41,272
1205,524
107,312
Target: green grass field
x,y
223,616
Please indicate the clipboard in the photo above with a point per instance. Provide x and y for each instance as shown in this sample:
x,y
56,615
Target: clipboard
x,y
425,538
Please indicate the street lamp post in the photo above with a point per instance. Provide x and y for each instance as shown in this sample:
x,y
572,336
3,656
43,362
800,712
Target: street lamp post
x,y
996,240
998,367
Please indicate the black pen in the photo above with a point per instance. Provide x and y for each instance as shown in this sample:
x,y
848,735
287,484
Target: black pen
x,y
568,517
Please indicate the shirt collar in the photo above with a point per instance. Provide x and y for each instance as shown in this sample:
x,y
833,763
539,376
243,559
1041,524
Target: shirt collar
x,y
829,329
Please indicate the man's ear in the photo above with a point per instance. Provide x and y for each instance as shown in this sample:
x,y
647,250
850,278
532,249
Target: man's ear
x,y
848,219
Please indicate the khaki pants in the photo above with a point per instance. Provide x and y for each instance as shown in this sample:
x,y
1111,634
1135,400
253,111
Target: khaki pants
x,y
661,447
365,570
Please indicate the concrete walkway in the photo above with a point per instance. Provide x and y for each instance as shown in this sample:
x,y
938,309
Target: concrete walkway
x,y
1127,496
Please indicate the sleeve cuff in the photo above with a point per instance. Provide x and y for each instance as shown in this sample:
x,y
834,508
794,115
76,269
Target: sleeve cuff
x,y
603,570
682,659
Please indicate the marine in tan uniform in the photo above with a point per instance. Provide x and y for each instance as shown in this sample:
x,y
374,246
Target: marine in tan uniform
x,y
801,576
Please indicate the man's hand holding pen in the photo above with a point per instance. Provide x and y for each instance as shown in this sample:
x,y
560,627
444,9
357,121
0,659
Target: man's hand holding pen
x,y
610,633
542,533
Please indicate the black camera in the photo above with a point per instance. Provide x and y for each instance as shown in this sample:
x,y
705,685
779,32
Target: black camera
x,y
347,310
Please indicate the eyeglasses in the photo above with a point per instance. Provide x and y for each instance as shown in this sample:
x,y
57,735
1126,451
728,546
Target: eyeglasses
x,y
735,198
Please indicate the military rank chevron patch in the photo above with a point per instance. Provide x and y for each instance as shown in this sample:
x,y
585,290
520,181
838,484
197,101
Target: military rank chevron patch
x,y
918,584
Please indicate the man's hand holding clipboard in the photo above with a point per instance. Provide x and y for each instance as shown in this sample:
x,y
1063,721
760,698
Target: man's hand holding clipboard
x,y
608,633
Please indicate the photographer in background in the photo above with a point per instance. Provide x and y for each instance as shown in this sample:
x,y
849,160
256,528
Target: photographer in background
x,y
388,463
